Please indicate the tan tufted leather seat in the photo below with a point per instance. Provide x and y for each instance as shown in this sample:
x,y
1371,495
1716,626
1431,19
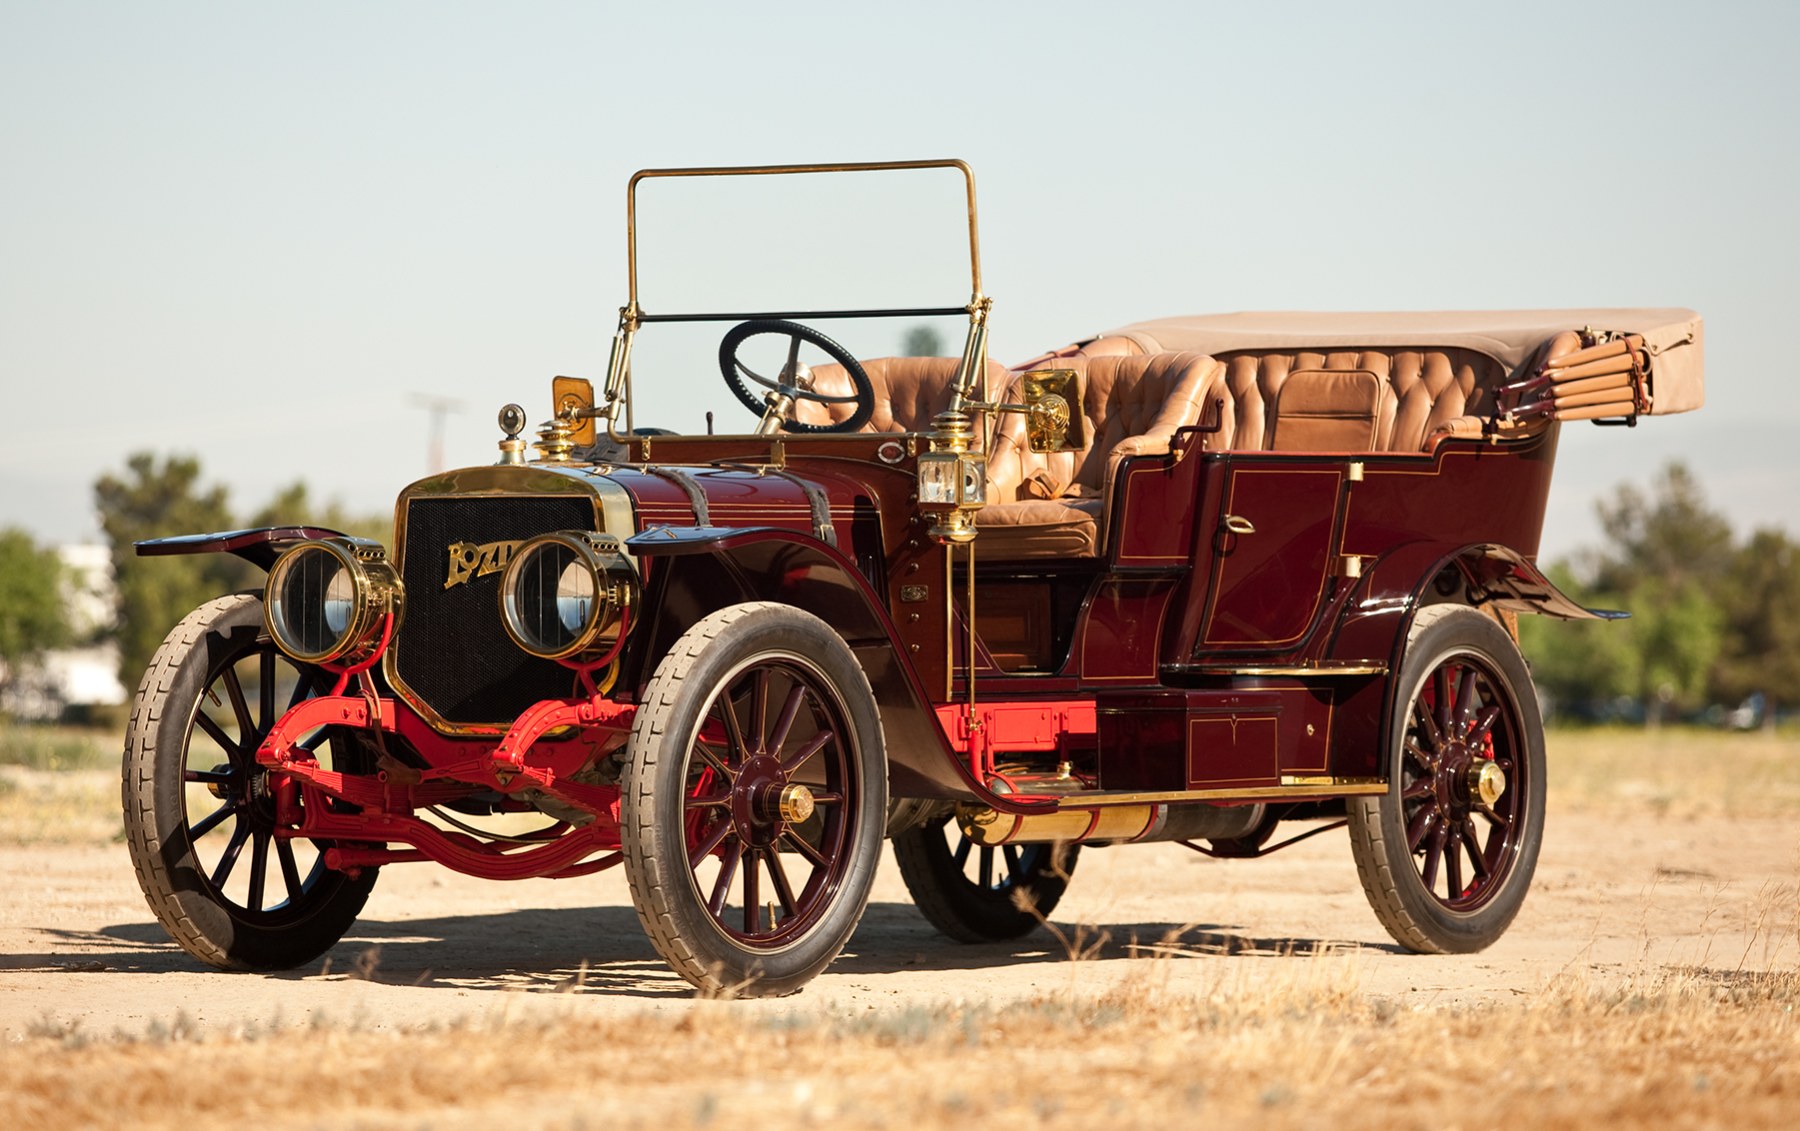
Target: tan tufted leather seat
x,y
909,391
1425,391
1054,505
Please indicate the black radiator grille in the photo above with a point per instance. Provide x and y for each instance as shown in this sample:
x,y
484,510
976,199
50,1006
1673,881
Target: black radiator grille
x,y
451,650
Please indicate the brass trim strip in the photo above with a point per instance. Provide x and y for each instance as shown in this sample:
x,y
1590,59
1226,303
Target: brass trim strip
x,y
1293,670
1292,786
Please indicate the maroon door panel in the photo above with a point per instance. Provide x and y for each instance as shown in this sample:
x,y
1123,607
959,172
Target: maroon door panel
x,y
1272,569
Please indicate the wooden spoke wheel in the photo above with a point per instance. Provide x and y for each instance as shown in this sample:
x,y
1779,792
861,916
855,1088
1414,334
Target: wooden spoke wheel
x,y
199,815
978,893
754,800
1447,854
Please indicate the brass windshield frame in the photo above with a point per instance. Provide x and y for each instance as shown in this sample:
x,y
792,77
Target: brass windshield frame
x,y
616,393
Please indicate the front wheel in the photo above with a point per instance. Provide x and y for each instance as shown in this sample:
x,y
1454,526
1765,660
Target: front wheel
x,y
1446,855
224,880
755,796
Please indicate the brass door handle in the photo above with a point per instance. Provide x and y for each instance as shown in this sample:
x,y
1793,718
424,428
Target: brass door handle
x,y
1238,524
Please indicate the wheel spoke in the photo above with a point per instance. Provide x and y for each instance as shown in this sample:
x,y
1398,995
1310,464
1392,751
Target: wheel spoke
x,y
239,835
214,777
759,710
302,686
216,732
783,891
799,758
259,868
1476,857
1434,852
728,866
1420,788
814,855
1416,829
1013,869
1466,701
790,709
290,872
712,758
1432,734
987,866
1418,754
961,856
211,821
265,694
712,841
1453,865
734,732
1484,725
239,707
1440,686
709,800
752,894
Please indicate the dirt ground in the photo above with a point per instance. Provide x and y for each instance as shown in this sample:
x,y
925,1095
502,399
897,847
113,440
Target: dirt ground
x,y
1615,894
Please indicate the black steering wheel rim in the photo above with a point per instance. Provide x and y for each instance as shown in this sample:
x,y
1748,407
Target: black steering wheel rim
x,y
734,373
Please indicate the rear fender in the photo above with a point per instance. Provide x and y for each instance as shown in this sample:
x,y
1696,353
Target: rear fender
x,y
694,571
259,547
1379,615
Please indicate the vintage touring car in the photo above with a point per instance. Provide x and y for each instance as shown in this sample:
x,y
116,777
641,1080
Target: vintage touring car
x,y
1182,581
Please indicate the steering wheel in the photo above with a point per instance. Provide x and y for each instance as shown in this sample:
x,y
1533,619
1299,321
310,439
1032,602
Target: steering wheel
x,y
785,385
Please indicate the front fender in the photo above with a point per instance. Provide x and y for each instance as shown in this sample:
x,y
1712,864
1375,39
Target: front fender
x,y
699,570
260,547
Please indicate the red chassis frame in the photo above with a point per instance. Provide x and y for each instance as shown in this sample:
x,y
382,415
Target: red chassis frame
x,y
524,760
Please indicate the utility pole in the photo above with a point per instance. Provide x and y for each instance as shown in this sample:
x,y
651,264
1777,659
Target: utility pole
x,y
437,407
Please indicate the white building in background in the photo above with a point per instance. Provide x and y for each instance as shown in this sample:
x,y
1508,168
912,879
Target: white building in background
x,y
86,675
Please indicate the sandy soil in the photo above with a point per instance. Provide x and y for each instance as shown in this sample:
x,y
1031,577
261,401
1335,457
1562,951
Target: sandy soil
x,y
1613,896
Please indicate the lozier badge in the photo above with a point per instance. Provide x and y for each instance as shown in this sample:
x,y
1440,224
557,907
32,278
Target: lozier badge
x,y
468,560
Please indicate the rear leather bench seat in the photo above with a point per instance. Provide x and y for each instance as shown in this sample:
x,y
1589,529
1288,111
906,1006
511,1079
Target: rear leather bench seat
x,y
1355,400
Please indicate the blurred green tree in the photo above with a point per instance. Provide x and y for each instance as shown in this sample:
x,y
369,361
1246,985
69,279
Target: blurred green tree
x,y
32,616
1761,605
1667,559
156,499
922,341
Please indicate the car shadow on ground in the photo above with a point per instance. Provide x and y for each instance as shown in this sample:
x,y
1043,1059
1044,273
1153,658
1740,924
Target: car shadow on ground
x,y
603,950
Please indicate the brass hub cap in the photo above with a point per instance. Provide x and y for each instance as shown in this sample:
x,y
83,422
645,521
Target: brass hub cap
x,y
1485,782
795,804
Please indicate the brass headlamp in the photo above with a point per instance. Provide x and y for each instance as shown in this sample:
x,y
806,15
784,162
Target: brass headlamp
x,y
326,600
567,596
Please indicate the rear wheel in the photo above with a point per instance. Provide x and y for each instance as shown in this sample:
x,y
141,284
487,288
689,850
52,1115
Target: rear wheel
x,y
755,795
1447,854
978,893
199,814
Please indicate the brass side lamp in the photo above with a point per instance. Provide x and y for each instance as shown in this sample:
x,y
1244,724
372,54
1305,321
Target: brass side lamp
x,y
952,479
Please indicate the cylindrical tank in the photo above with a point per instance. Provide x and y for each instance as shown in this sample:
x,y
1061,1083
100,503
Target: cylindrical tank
x,y
1125,824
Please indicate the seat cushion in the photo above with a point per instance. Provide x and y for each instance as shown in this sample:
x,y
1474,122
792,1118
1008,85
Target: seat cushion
x,y
1039,528
1332,410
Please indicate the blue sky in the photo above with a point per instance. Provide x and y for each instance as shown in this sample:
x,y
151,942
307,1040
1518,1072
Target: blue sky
x,y
252,232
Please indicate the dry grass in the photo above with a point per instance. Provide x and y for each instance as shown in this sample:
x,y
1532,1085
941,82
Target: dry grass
x,y
1678,1048
1675,772
1305,1046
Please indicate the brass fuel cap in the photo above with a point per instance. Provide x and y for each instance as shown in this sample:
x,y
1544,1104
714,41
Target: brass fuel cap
x,y
795,803
1485,781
